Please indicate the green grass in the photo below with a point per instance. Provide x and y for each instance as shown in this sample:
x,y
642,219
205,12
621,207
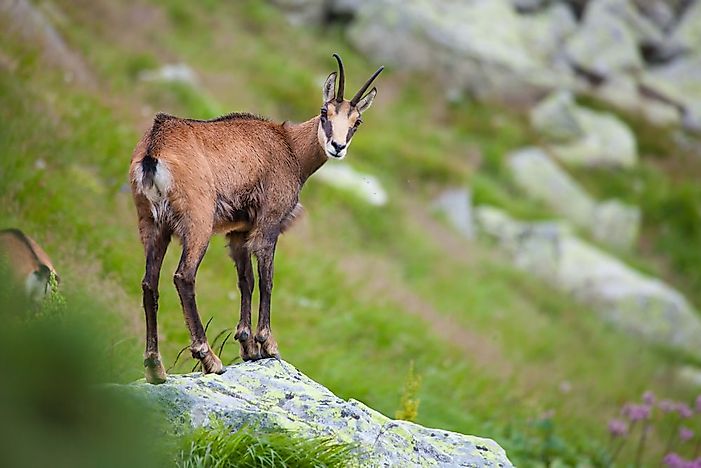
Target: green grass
x,y
220,447
359,289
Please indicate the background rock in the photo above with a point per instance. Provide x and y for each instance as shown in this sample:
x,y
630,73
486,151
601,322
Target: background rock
x,y
583,137
516,51
688,33
611,222
344,177
482,47
604,45
272,395
679,83
456,204
300,12
626,298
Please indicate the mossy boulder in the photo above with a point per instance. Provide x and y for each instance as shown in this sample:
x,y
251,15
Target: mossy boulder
x,y
272,395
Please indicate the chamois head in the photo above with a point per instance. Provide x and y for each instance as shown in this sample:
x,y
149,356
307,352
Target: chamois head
x,y
340,118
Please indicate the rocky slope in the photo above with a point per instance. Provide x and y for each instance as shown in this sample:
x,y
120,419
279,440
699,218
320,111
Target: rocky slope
x,y
641,56
273,395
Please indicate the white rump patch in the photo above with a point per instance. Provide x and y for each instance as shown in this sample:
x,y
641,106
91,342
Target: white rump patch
x,y
156,194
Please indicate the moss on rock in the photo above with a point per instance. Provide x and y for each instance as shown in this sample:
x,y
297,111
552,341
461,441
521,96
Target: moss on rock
x,y
273,395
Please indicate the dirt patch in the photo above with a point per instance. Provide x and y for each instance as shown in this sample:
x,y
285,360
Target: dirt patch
x,y
384,283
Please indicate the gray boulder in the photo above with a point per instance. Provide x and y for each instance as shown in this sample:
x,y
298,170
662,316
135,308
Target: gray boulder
x,y
610,222
342,176
624,297
678,83
528,6
622,91
302,12
661,12
688,33
606,43
583,137
272,395
456,205
482,47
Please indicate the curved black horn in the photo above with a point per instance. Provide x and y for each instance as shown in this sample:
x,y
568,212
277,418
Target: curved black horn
x,y
367,84
341,79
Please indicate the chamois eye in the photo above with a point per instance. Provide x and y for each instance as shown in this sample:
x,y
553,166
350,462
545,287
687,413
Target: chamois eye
x,y
324,113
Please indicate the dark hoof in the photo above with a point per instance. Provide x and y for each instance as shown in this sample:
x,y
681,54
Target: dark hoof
x,y
253,357
249,350
268,349
154,371
211,364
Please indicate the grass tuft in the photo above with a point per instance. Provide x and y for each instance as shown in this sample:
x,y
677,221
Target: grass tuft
x,y
220,447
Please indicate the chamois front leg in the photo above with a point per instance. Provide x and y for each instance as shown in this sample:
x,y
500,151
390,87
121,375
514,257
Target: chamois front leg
x,y
194,249
265,255
155,245
244,268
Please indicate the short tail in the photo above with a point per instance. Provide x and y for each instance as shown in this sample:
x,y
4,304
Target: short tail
x,y
148,171
153,175
154,178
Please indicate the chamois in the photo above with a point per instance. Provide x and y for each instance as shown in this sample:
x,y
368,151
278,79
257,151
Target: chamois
x,y
238,175
28,263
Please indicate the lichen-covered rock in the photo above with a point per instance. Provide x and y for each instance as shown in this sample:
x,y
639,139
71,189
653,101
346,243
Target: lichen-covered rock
x,y
611,222
584,137
628,299
272,395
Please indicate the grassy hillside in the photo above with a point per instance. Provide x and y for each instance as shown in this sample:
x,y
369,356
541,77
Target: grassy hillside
x,y
361,292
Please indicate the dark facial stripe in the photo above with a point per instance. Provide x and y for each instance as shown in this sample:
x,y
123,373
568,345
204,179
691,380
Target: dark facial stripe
x,y
328,131
351,131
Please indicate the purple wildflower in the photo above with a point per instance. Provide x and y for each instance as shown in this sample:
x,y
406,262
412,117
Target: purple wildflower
x,y
636,412
684,410
649,398
667,406
618,428
698,404
672,460
685,434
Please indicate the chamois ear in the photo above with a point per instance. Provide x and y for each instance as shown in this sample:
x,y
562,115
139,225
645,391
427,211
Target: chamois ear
x,y
329,91
366,101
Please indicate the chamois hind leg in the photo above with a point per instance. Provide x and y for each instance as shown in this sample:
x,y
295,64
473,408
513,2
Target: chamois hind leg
x,y
155,242
244,268
195,244
265,255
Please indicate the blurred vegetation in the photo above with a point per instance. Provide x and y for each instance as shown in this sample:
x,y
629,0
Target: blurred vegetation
x,y
360,291
54,413
409,403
